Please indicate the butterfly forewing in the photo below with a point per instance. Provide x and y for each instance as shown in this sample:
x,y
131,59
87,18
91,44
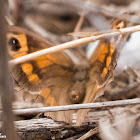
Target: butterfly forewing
x,y
49,76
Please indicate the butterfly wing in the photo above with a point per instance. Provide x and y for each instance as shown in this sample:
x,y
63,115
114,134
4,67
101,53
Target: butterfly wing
x,y
102,64
48,78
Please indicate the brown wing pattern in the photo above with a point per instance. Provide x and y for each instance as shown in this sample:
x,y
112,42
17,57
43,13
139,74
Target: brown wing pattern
x,y
102,64
54,80
48,76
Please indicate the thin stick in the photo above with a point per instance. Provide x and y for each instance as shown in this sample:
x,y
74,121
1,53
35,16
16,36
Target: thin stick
x,y
89,133
78,106
79,23
73,44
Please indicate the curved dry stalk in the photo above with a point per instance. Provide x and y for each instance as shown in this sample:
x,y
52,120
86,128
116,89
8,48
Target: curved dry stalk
x,y
73,44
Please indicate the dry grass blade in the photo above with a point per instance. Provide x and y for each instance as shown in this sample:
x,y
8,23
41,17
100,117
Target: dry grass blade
x,y
72,44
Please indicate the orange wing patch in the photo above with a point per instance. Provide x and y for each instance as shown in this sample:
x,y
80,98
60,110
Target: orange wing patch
x,y
42,62
33,78
20,54
105,53
46,94
108,61
102,58
27,68
51,58
112,49
104,72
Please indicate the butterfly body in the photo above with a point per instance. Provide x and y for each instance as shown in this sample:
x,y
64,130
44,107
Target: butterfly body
x,y
80,78
54,79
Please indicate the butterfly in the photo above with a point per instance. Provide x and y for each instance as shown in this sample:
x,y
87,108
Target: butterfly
x,y
54,79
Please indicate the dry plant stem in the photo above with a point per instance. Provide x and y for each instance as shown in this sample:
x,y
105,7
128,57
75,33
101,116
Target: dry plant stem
x,y
79,23
78,106
89,133
73,44
5,88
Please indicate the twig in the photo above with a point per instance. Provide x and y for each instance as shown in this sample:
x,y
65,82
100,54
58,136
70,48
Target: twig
x,y
78,106
79,23
89,133
73,44
5,86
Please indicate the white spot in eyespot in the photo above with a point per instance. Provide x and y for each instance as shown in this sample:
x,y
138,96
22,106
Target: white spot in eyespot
x,y
14,41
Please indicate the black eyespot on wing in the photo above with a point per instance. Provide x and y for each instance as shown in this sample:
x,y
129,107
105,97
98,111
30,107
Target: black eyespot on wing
x,y
14,43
